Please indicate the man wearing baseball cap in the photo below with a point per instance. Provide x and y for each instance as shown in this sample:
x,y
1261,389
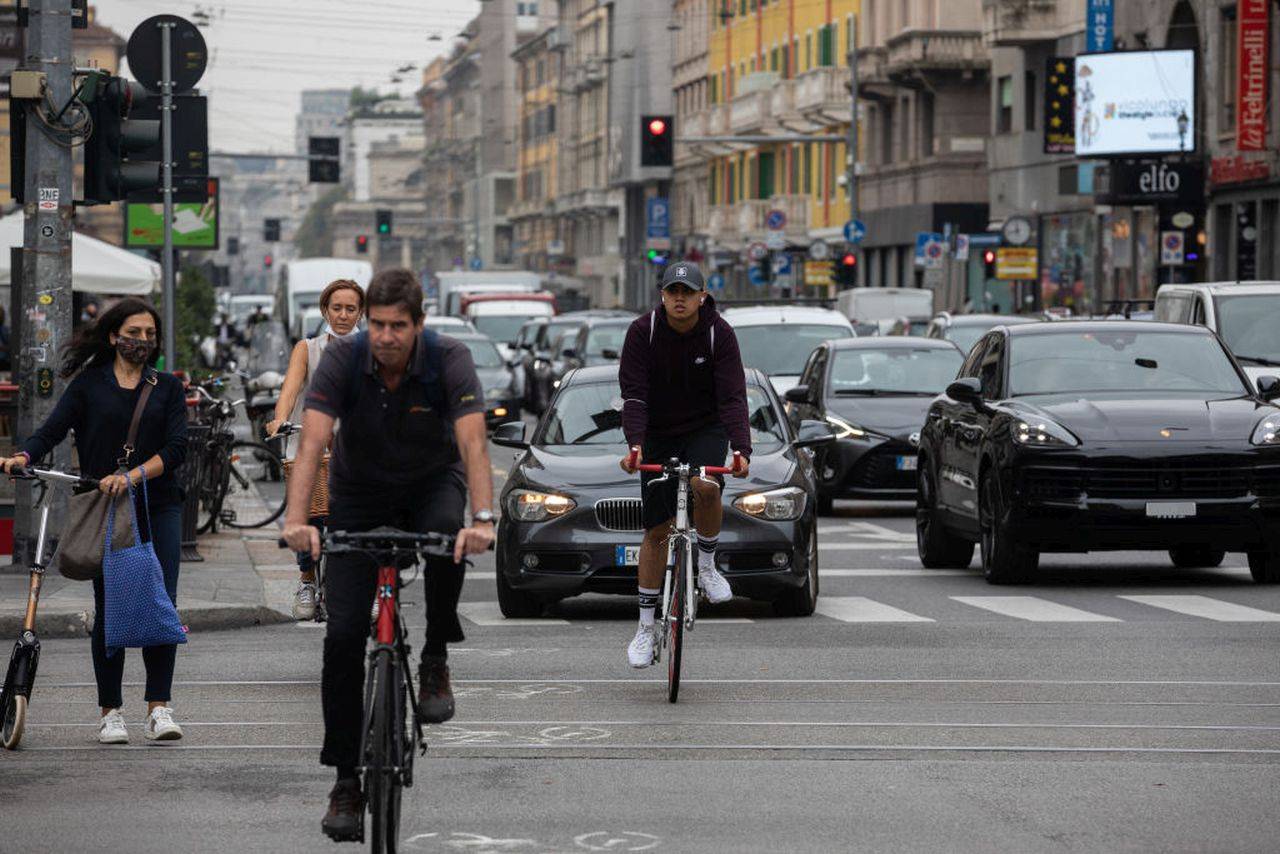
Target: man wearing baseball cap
x,y
685,396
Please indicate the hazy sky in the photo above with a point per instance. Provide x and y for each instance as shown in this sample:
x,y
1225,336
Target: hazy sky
x,y
264,52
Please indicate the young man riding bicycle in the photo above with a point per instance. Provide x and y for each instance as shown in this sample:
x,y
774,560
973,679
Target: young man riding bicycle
x,y
684,396
411,441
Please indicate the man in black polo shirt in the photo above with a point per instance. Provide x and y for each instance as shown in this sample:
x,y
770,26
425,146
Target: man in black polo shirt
x,y
411,440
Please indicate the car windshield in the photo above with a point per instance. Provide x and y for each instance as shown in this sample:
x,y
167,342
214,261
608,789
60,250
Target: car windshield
x,y
894,370
483,353
500,327
591,414
554,329
783,348
966,336
601,338
1124,360
1251,327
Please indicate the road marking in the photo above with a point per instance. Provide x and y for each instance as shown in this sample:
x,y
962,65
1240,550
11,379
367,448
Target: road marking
x,y
888,544
489,614
859,609
1208,608
1033,609
887,572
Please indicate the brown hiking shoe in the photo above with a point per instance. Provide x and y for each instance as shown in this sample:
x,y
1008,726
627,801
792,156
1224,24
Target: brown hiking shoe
x,y
344,822
435,696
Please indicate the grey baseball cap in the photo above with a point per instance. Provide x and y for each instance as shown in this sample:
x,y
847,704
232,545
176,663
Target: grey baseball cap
x,y
685,273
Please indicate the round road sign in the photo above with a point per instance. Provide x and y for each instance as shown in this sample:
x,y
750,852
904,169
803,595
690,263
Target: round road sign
x,y
819,250
775,220
757,252
188,53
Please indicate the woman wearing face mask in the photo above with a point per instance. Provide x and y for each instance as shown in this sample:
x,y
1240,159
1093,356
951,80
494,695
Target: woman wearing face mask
x,y
111,360
342,304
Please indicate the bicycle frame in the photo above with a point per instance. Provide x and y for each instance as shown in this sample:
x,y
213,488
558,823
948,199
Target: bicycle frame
x,y
682,530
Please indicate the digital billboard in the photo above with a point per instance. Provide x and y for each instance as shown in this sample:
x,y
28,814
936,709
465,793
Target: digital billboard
x,y
1133,102
195,225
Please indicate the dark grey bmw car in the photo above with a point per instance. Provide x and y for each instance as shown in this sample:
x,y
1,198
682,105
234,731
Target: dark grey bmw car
x,y
571,519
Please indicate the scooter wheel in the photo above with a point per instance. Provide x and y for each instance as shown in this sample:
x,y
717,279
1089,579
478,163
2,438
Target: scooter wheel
x,y
15,717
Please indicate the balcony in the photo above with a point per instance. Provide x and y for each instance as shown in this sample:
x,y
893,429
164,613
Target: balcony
x,y
1020,23
749,112
797,210
693,124
823,95
938,50
737,225
721,223
782,100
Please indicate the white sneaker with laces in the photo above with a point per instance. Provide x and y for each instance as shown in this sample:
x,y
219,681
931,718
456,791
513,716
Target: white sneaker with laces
x,y
640,650
714,584
161,725
304,601
111,730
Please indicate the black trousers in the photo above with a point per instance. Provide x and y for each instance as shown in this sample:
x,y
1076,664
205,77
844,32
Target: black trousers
x,y
349,587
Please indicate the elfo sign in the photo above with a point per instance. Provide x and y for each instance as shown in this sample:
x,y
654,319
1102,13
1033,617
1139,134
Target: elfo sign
x,y
1140,182
1251,75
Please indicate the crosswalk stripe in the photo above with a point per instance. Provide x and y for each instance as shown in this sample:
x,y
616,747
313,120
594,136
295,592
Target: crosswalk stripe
x,y
1208,608
860,609
864,546
1033,608
488,614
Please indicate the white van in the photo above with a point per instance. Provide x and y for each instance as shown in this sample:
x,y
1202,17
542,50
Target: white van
x,y
1246,315
302,282
867,307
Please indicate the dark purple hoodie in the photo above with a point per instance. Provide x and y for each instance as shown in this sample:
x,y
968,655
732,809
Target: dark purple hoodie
x,y
673,384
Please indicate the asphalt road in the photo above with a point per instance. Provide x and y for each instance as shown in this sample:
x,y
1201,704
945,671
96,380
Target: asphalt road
x,y
1118,704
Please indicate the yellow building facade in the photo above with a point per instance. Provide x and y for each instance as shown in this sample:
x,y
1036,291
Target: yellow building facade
x,y
777,67
533,212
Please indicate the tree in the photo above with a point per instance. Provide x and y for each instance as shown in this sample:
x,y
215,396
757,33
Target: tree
x,y
193,315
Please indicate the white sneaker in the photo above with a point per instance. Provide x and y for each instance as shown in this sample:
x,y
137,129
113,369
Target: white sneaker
x,y
714,584
161,726
640,650
111,730
304,601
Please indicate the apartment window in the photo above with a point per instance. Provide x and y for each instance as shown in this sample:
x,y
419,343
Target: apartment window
x,y
786,60
540,73
1029,88
886,132
714,83
773,59
808,51
1227,49
1004,104
794,159
926,124
752,66
808,169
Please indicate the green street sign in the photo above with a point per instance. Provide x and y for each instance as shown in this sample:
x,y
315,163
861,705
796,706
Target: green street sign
x,y
195,224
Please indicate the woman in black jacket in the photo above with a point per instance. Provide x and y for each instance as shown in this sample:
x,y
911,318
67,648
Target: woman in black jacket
x,y
111,360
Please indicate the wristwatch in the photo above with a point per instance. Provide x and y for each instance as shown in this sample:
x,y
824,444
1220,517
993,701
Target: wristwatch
x,y
484,516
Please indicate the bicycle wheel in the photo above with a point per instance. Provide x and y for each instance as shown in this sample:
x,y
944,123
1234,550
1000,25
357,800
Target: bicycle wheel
x,y
381,780
253,469
675,622
214,474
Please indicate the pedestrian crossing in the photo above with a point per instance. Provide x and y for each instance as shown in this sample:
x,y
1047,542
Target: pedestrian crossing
x,y
941,609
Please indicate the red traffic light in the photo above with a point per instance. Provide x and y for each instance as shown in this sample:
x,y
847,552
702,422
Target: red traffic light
x,y
989,257
849,259
657,127
267,260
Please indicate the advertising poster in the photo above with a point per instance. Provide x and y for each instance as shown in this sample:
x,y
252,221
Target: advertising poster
x,y
1136,102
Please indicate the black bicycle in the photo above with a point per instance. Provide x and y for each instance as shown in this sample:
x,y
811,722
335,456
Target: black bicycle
x,y
233,473
20,678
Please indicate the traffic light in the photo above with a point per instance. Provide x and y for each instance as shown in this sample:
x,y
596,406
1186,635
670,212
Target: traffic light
x,y
989,263
328,170
658,258
847,270
267,260
383,217
362,244
113,165
271,230
657,141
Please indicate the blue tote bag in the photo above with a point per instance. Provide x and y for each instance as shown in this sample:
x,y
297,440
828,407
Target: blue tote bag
x,y
138,610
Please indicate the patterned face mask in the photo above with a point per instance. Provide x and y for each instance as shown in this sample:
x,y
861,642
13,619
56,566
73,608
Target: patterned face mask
x,y
136,350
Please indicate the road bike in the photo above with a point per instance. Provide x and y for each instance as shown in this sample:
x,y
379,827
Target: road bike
x,y
319,510
679,585
20,678
231,471
392,722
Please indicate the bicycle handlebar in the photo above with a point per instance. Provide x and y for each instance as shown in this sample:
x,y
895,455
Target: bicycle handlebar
x,y
666,467
52,476
386,541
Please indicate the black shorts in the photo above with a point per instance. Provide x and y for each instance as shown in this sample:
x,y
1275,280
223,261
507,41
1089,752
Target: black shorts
x,y
708,446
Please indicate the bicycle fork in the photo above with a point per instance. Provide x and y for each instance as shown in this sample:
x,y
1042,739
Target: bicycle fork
x,y
21,674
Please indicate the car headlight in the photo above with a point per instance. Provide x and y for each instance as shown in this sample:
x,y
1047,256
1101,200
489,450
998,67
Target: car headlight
x,y
527,506
1043,434
776,505
845,430
1268,431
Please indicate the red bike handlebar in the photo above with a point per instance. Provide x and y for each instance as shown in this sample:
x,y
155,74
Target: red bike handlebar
x,y
657,467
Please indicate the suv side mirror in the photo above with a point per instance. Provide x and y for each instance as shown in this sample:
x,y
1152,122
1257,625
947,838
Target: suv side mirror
x,y
966,390
1269,387
797,394
812,434
511,435
568,353
610,354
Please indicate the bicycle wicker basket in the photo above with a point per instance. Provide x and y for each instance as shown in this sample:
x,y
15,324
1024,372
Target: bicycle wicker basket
x,y
320,491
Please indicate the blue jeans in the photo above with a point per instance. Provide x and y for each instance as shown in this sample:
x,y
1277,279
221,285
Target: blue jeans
x,y
166,537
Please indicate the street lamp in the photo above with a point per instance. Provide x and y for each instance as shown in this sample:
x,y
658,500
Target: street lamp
x,y
1183,121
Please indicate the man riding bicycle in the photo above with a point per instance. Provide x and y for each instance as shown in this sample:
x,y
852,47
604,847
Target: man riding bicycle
x,y
684,396
410,443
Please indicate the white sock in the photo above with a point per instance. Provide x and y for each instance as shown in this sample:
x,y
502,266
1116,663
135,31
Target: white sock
x,y
648,605
707,551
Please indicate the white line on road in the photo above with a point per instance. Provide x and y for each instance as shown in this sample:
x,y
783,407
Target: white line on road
x,y
488,614
1033,609
1208,608
663,681
863,546
711,723
887,572
860,609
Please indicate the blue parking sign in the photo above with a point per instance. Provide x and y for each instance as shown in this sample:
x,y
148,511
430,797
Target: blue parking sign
x,y
658,217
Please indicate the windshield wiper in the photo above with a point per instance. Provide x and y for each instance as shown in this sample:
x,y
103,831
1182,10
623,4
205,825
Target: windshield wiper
x,y
1270,363
857,392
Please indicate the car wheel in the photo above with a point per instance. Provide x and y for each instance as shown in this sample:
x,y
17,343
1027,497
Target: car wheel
x,y
802,601
516,604
938,547
1196,557
1264,566
1004,559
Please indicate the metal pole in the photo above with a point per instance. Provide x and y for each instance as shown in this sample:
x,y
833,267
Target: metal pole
x,y
852,147
166,147
42,293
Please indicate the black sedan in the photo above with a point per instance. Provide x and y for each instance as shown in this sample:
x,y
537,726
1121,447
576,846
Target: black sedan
x,y
1100,435
571,519
874,392
501,399
598,341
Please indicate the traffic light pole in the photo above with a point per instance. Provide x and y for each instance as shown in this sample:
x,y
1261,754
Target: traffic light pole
x,y
42,296
851,150
167,260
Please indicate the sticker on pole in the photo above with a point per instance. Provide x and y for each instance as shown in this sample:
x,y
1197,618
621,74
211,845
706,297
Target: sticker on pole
x,y
49,198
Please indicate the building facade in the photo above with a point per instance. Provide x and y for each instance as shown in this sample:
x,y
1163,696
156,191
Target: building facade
x,y
690,83
537,242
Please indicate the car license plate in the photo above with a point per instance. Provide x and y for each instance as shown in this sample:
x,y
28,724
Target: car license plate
x,y
907,463
1171,509
627,556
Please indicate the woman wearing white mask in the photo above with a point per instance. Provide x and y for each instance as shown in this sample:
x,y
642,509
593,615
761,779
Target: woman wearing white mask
x,y
342,305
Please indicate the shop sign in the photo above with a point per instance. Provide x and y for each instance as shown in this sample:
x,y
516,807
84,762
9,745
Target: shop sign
x,y
1238,170
818,273
1251,75
1017,262
1060,105
1143,182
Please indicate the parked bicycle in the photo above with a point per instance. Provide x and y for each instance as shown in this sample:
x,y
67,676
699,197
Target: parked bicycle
x,y
233,472
680,591
20,678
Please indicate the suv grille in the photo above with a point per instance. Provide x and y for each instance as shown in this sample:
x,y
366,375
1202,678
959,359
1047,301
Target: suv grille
x,y
1183,481
619,514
